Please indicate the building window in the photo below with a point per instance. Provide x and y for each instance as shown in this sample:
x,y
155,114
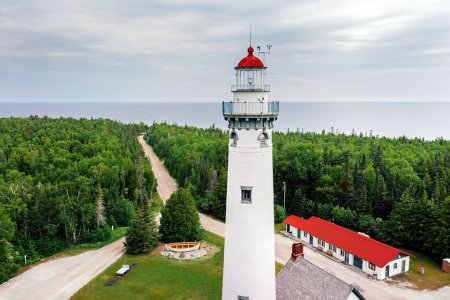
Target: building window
x,y
288,228
246,194
320,242
243,297
371,266
330,246
334,248
299,233
395,265
305,234
342,252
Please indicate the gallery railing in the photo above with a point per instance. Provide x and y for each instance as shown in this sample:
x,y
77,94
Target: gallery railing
x,y
261,108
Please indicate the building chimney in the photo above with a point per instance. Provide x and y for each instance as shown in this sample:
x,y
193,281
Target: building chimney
x,y
297,250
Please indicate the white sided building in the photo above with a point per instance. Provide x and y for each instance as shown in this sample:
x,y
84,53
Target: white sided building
x,y
356,249
249,260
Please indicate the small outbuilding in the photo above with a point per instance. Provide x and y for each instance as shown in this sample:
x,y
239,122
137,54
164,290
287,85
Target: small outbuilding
x,y
356,249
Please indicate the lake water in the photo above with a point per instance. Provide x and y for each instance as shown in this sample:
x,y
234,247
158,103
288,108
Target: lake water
x,y
393,119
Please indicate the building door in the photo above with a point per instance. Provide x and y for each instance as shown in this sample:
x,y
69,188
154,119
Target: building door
x,y
346,256
357,262
403,265
311,239
299,233
387,271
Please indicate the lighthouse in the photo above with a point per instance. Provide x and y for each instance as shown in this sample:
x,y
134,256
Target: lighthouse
x,y
249,263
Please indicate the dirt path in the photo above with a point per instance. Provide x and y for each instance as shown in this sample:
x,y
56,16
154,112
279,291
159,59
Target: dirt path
x,y
373,289
166,184
61,278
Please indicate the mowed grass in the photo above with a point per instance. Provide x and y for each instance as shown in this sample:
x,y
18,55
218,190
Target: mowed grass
x,y
157,277
434,278
279,227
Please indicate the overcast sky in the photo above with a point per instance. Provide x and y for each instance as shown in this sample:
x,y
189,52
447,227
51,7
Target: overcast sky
x,y
185,50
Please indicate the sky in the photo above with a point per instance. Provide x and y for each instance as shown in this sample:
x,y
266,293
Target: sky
x,y
186,50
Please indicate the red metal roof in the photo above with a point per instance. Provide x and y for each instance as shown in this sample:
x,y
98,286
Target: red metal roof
x,y
250,61
368,249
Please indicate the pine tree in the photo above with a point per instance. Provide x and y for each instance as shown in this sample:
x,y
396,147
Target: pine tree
x,y
363,204
179,218
142,236
382,202
412,220
219,198
378,164
301,206
440,191
439,242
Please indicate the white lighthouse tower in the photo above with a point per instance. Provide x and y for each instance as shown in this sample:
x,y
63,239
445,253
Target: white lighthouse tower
x,y
249,266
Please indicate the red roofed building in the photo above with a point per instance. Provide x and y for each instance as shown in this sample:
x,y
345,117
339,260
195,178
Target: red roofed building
x,y
359,250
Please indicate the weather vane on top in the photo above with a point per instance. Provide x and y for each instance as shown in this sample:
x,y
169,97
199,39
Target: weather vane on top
x,y
264,52
259,47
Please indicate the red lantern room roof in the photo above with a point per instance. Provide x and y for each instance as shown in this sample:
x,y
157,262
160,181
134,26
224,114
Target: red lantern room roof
x,y
250,61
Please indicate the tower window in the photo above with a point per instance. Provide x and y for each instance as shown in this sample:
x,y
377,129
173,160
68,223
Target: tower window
x,y
262,138
246,194
234,138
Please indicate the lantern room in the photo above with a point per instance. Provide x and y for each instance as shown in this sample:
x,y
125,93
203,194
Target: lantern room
x,y
250,74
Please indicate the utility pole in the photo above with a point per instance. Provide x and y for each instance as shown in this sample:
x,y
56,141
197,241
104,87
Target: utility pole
x,y
284,195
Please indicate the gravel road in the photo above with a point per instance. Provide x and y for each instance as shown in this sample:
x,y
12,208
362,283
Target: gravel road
x,y
61,278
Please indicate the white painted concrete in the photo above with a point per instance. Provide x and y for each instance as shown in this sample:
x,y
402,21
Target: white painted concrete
x,y
249,239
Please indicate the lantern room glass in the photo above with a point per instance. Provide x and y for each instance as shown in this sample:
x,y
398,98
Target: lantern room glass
x,y
250,79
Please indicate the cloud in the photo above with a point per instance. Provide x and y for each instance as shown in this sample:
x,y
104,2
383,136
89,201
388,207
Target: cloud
x,y
142,48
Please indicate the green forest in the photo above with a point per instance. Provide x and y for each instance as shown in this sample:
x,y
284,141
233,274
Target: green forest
x,y
64,182
396,190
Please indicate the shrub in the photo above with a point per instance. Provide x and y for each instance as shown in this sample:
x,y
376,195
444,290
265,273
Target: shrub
x,y
280,213
179,218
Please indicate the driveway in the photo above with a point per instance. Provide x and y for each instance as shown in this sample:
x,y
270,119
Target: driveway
x,y
61,278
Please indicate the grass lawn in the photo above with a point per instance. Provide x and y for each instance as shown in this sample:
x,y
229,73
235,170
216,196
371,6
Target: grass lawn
x,y
433,278
280,227
157,277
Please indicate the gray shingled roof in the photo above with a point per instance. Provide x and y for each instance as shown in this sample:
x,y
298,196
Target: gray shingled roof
x,y
304,280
